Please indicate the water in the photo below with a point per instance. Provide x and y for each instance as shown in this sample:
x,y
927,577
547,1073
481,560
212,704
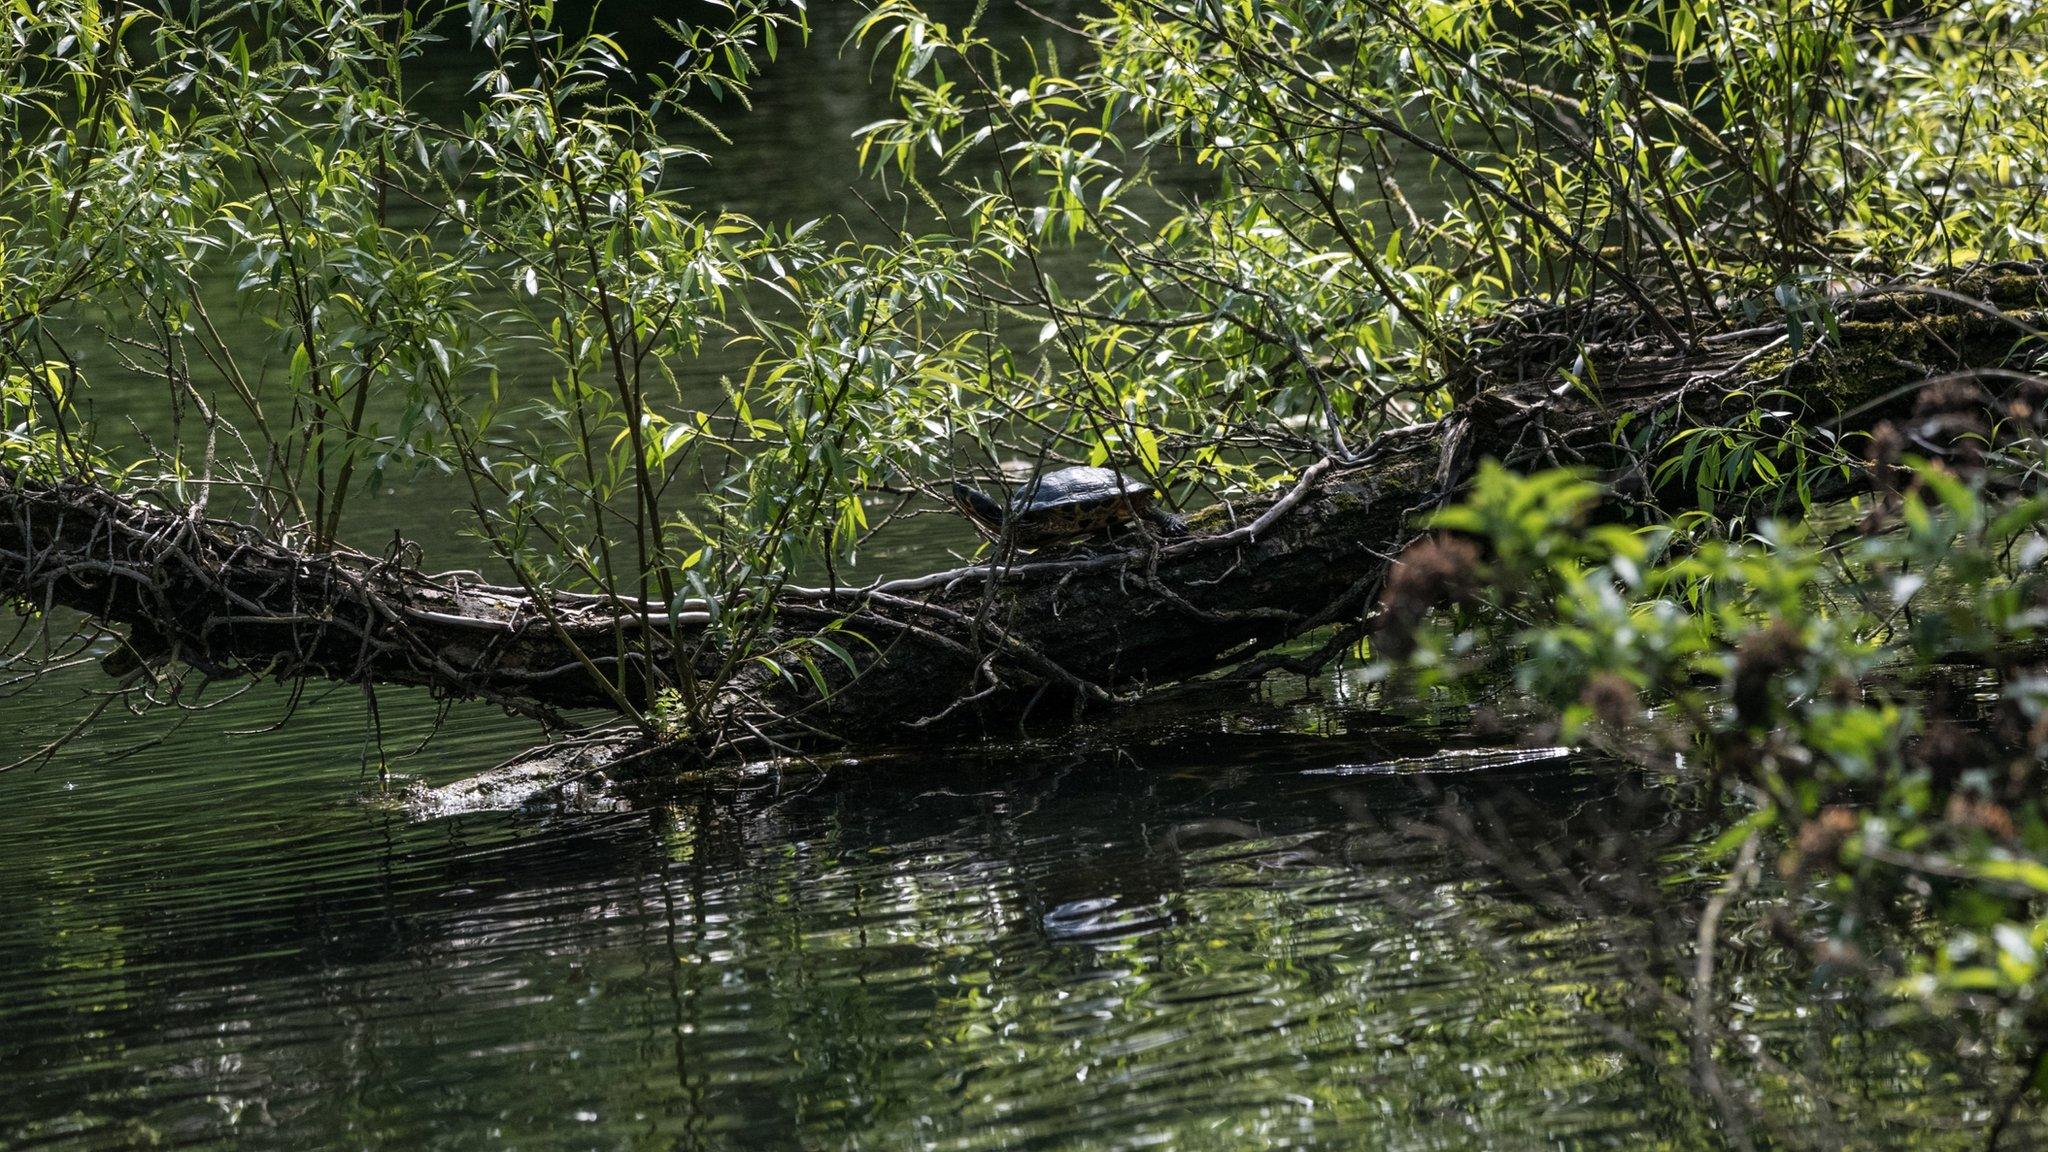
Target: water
x,y
1175,935
1230,926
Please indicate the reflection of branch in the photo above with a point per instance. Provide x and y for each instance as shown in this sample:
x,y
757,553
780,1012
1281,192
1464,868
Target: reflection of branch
x,y
1606,865
1598,876
2009,1108
1705,1026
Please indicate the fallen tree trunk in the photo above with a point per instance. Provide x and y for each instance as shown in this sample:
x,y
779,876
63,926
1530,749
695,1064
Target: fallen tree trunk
x,y
991,647
221,598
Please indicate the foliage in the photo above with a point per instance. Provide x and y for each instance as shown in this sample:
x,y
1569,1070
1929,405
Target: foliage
x,y
38,436
1878,698
1195,240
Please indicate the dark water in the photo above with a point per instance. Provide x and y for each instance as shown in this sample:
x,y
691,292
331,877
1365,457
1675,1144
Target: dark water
x,y
1183,935
1236,926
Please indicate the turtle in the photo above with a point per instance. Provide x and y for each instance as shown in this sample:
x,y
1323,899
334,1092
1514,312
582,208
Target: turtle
x,y
1063,506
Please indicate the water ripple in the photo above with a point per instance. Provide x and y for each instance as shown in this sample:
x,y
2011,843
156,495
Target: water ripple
x,y
1186,954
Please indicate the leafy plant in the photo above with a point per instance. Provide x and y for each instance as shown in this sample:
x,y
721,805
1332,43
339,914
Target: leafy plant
x,y
1822,681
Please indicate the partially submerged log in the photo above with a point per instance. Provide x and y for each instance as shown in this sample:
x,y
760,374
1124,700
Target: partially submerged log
x,y
994,647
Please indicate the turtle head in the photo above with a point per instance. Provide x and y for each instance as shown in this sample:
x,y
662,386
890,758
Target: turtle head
x,y
976,506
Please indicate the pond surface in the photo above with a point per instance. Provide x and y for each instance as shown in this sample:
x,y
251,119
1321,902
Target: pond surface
x,y
1192,935
1250,925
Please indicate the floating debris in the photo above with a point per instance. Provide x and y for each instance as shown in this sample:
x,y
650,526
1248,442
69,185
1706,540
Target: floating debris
x,y
1455,760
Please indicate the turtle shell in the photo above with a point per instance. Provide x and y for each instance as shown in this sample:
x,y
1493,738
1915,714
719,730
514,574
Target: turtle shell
x,y
1073,502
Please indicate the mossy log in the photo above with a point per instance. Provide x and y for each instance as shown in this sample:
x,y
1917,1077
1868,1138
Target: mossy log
x,y
992,648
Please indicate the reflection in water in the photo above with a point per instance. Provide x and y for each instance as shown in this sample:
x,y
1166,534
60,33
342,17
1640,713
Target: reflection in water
x,y
1184,941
